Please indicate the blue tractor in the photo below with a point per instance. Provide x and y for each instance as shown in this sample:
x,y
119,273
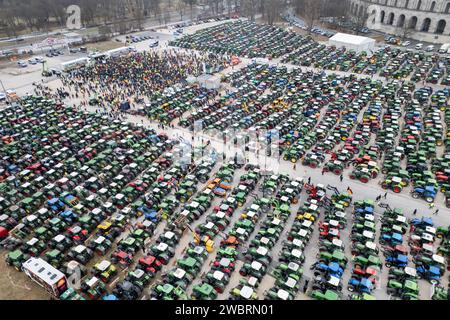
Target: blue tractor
x,y
149,214
364,211
391,238
55,205
333,268
430,273
68,216
361,285
422,222
398,261
428,193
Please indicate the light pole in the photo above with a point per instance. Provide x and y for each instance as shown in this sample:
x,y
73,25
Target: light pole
x,y
4,91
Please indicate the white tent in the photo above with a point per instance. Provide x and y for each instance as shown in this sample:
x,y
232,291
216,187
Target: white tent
x,y
209,81
352,42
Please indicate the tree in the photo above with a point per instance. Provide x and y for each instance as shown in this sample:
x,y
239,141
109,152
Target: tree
x,y
180,6
191,4
311,12
271,10
360,20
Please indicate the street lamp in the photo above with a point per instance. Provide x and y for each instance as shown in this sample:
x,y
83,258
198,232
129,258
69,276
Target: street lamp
x,y
4,91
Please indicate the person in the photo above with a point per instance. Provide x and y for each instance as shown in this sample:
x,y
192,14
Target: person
x,y
415,212
295,166
341,178
378,197
323,171
309,180
349,190
385,195
436,212
305,286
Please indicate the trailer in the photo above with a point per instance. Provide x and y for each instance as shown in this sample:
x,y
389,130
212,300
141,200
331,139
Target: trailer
x,y
48,277
74,64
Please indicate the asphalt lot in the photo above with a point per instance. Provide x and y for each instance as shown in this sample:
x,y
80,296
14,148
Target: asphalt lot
x,y
22,82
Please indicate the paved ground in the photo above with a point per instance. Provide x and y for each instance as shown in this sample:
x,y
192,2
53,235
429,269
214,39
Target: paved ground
x,y
361,191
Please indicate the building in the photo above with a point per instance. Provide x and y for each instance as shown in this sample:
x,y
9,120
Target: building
x,y
423,20
352,42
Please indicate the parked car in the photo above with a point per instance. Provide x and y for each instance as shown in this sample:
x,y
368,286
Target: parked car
x,y
430,48
419,46
22,64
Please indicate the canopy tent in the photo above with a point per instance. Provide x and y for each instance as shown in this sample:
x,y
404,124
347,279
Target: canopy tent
x,y
209,82
352,42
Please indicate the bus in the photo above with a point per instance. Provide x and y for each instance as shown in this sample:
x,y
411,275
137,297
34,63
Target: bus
x,y
51,279
73,64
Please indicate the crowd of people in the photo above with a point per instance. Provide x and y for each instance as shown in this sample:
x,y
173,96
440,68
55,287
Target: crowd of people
x,y
137,76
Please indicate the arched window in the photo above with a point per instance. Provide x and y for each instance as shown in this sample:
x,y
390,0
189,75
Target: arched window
x,y
419,4
401,21
447,8
433,6
413,22
382,16
426,25
391,18
407,4
441,26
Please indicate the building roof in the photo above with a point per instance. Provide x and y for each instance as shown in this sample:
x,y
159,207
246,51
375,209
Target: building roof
x,y
351,39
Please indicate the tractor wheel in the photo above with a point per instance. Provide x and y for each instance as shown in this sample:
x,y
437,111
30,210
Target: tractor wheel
x,y
364,179
434,282
351,289
352,177
387,264
429,199
415,195
374,174
337,172
397,189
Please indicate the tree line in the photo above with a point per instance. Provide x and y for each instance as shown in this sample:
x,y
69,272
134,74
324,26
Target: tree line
x,y
21,16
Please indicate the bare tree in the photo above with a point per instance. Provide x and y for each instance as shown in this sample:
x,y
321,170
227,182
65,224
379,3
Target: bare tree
x,y
311,12
271,10
360,20
191,4
180,6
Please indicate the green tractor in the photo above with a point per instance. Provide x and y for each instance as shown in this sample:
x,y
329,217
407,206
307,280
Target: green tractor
x,y
327,295
204,292
394,183
16,258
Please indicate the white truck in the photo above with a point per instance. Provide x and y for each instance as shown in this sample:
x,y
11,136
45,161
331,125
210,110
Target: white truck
x,y
445,48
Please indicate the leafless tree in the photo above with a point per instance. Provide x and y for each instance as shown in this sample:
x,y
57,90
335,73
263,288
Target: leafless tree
x,y
311,11
191,4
